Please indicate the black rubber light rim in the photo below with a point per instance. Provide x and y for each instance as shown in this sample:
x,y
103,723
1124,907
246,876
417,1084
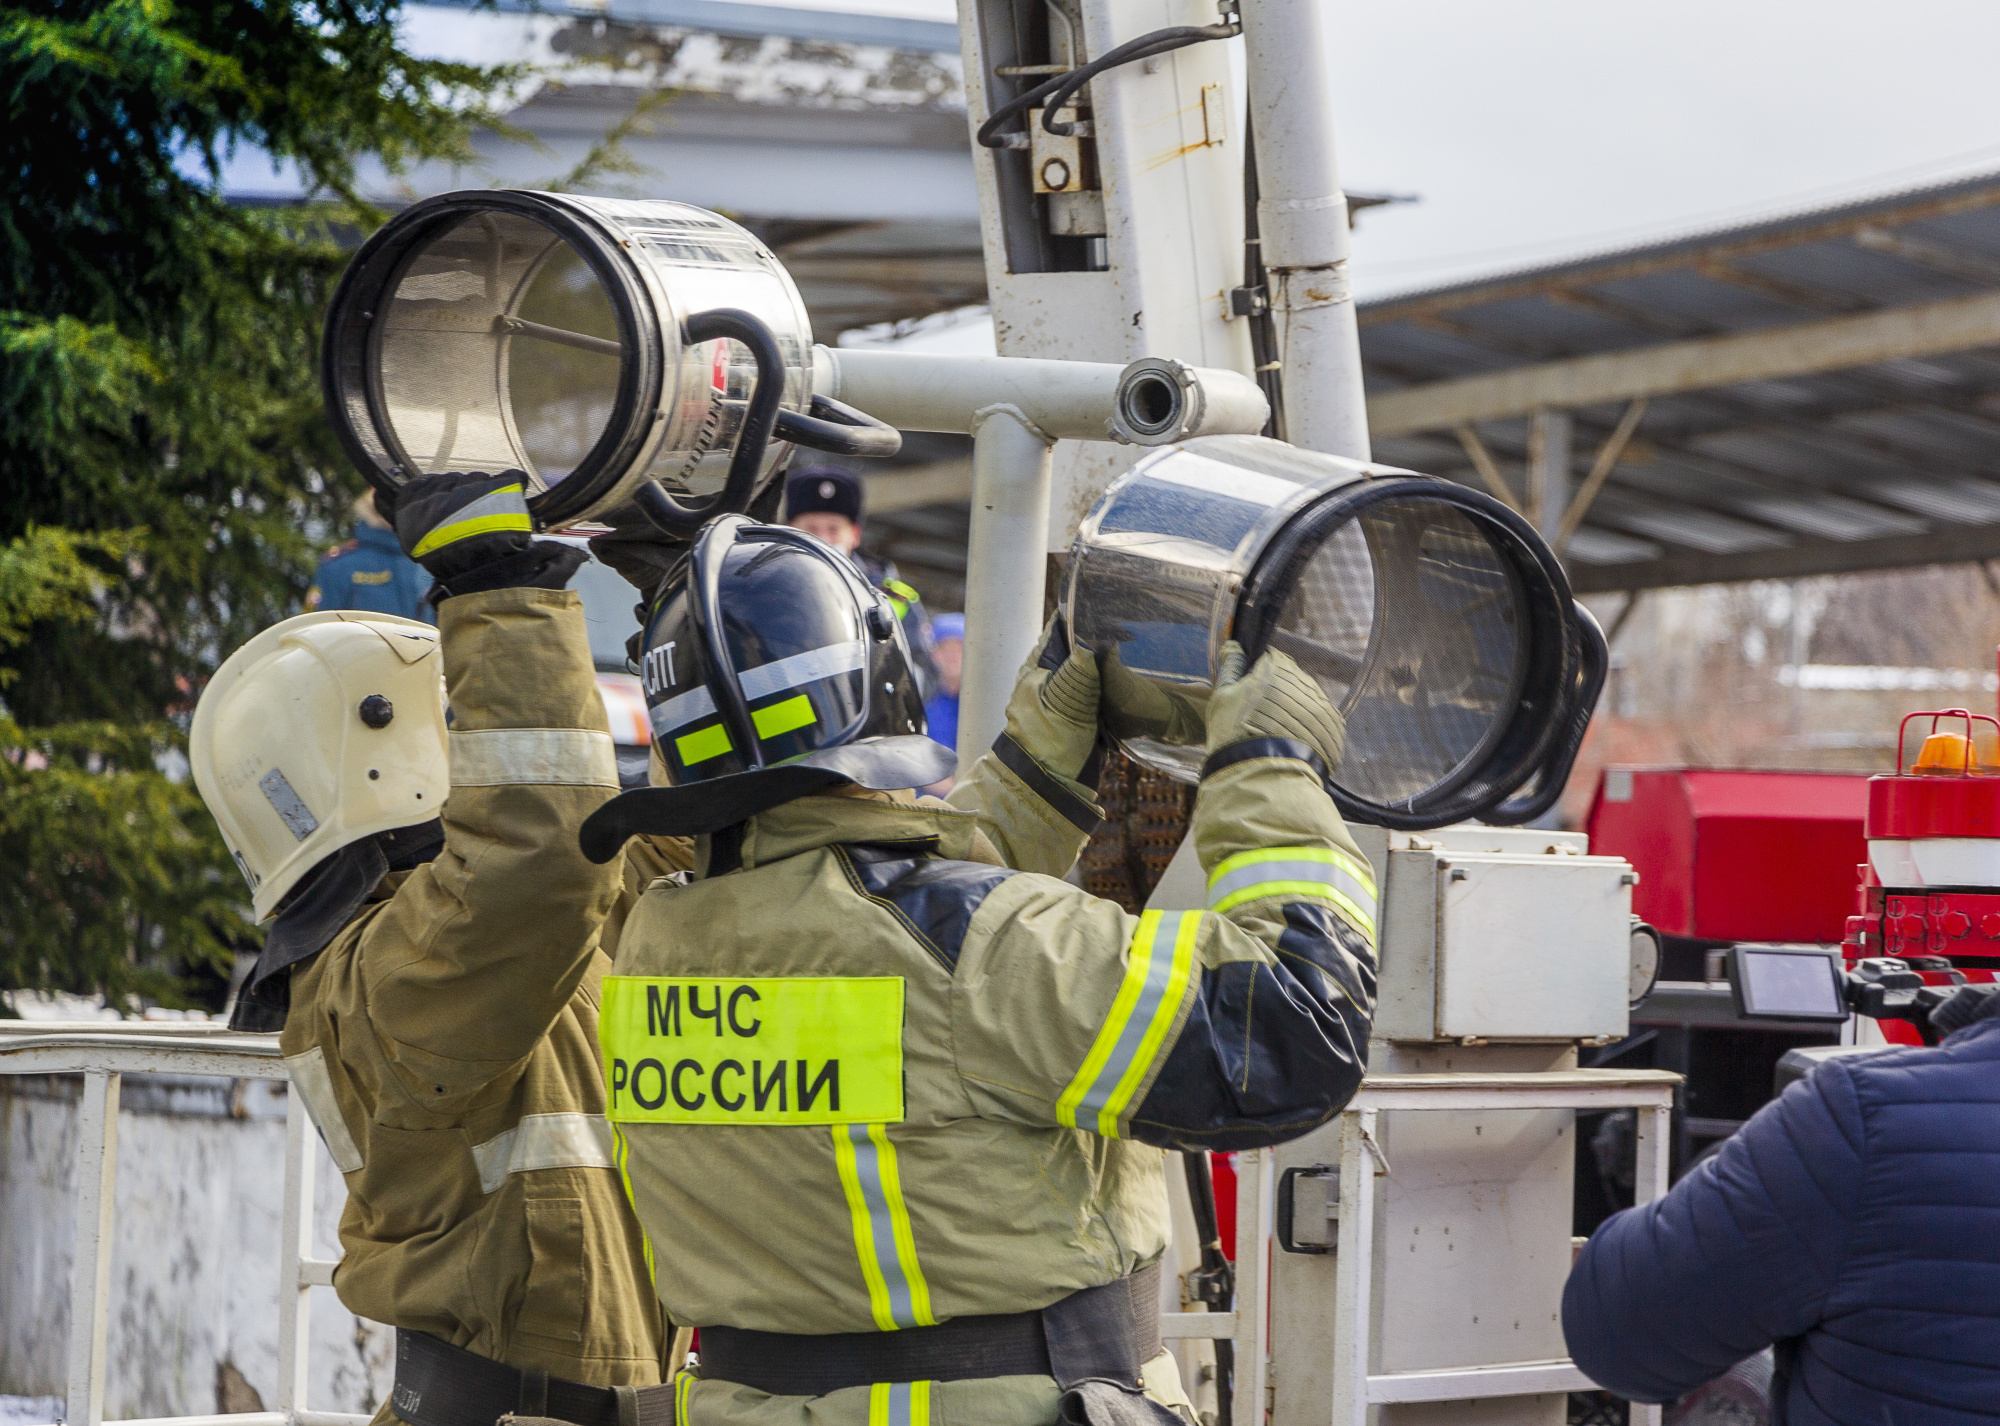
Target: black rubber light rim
x,y
350,366
1521,740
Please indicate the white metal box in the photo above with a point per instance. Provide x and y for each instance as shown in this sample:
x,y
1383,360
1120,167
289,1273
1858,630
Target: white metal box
x,y
1495,934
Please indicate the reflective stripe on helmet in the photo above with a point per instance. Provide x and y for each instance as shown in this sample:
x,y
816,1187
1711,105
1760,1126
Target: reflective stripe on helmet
x,y
710,742
781,674
681,710
1149,1000
781,718
761,682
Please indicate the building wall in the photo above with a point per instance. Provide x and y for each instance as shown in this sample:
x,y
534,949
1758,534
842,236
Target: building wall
x,y
194,1268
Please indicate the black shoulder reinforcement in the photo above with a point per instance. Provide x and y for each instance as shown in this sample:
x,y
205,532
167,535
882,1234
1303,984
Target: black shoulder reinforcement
x,y
1251,748
1043,784
1268,1051
934,897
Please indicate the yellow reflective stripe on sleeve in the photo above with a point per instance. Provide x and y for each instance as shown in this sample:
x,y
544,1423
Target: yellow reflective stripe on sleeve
x,y
711,742
884,1241
783,717
1149,999
621,1158
899,1403
1323,873
501,509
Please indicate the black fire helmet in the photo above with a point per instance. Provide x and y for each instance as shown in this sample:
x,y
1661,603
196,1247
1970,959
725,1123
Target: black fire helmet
x,y
771,669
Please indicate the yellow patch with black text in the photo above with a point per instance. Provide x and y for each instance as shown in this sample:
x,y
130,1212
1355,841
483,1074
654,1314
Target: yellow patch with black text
x,y
753,1050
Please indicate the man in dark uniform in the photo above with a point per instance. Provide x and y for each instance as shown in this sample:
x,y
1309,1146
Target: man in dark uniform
x,y
370,572
825,501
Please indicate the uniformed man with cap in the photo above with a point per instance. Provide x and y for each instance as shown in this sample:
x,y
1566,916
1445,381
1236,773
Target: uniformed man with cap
x,y
404,802
901,1092
827,503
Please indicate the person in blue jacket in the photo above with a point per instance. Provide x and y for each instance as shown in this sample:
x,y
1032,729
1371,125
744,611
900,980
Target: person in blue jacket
x,y
1854,1223
370,571
948,655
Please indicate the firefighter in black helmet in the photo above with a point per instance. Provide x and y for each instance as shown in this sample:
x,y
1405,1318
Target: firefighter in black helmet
x,y
901,1102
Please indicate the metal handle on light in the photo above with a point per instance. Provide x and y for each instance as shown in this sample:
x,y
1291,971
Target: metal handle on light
x,y
760,420
1594,660
837,427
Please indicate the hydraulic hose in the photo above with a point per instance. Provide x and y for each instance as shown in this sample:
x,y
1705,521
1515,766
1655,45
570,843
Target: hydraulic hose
x,y
1053,93
1257,294
760,421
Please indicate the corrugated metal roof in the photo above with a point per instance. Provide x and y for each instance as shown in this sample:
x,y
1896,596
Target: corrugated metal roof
x,y
1890,463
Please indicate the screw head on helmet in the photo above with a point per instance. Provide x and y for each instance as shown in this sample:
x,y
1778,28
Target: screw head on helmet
x,y
771,668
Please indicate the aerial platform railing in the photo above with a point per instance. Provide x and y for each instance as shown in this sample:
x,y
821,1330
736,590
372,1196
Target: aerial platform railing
x,y
103,1053
1356,1388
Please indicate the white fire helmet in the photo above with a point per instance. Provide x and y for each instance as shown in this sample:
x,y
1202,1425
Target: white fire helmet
x,y
320,731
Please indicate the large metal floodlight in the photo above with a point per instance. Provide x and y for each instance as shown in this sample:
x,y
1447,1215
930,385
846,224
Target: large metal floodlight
x,y
1436,620
595,344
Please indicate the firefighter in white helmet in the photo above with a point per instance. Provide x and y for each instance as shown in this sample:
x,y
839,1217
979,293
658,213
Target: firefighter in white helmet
x,y
404,803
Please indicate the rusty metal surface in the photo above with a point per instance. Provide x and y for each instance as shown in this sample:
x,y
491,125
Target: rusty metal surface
x,y
1145,818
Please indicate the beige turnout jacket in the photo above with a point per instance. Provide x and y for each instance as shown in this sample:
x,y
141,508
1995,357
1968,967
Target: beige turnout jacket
x,y
445,1042
878,1080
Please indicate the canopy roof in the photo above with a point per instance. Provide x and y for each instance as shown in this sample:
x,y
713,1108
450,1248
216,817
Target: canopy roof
x,y
1822,391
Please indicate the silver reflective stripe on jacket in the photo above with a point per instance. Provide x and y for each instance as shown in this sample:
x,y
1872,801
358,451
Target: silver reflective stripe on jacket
x,y
544,757
315,1087
544,1141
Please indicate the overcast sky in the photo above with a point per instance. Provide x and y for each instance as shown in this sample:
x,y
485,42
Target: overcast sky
x,y
1533,128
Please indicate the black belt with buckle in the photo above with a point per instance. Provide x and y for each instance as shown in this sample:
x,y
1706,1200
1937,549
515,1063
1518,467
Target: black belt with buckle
x,y
1102,1333
438,1384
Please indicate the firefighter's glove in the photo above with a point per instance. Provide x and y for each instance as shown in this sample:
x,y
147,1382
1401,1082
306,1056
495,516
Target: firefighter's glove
x,y
1966,1004
1052,716
1274,699
640,551
472,532
1136,707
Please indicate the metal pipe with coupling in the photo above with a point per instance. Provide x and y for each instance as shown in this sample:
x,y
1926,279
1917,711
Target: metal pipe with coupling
x,y
1015,409
1302,224
1150,402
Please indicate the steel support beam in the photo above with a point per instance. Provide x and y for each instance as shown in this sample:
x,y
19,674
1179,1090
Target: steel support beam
x,y
1948,544
1549,439
1671,368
